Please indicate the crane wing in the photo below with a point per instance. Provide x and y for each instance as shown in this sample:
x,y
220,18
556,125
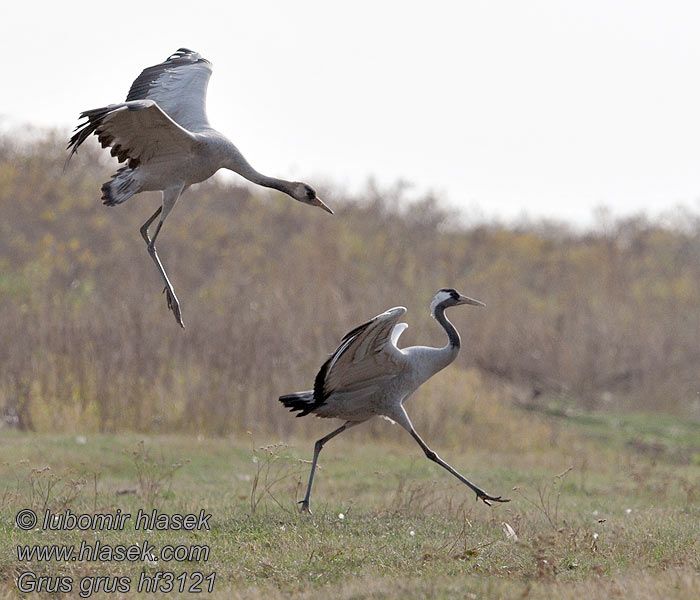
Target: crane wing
x,y
139,131
366,357
399,328
179,86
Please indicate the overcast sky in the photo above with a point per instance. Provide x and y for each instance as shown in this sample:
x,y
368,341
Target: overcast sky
x,y
545,107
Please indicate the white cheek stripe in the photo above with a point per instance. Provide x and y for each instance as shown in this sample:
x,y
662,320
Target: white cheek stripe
x,y
439,297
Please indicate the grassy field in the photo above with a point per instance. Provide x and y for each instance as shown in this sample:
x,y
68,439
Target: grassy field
x,y
602,506
584,332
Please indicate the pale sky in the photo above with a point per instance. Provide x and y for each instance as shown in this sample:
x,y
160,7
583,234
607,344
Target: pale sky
x,y
548,108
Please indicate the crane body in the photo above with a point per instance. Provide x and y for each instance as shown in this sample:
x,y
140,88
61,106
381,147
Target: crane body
x,y
369,376
163,135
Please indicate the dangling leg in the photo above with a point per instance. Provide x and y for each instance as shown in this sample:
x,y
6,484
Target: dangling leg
x,y
170,197
402,419
317,450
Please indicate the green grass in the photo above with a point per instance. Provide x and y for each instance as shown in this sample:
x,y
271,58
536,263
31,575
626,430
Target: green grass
x,y
595,515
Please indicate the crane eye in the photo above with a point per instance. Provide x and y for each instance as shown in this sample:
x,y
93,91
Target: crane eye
x,y
311,194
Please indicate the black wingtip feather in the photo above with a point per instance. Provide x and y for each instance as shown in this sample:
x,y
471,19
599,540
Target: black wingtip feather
x,y
185,52
85,129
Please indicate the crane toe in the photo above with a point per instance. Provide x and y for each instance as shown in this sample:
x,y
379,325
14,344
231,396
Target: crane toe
x,y
173,305
487,499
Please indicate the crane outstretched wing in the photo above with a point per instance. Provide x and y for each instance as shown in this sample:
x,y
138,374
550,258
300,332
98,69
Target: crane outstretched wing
x,y
137,131
179,86
366,356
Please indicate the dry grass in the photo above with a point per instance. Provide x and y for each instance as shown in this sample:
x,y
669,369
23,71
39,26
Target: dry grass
x,y
604,504
592,517
606,319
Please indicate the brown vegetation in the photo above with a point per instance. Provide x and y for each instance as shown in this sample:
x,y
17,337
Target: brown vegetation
x,y
268,286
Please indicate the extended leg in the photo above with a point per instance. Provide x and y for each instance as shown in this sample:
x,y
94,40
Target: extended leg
x,y
170,196
402,418
147,224
317,450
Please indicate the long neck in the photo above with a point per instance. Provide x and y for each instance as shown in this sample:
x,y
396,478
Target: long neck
x,y
452,349
428,361
237,162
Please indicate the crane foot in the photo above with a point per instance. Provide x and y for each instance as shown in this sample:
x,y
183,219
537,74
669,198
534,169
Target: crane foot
x,y
487,499
173,304
304,508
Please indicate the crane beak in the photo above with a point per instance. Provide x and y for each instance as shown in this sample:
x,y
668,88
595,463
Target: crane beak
x,y
318,202
466,300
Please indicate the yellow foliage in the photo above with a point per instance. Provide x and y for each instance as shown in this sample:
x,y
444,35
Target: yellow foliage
x,y
268,286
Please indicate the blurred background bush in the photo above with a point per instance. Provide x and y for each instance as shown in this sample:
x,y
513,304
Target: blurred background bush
x,y
607,318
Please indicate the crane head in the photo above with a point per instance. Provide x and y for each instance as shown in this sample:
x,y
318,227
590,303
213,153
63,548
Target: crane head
x,y
306,194
447,297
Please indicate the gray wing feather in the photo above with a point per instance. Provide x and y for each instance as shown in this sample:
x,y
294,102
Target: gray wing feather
x,y
137,130
179,86
399,328
366,358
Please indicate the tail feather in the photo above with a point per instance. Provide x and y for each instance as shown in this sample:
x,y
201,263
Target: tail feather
x,y
302,401
123,185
